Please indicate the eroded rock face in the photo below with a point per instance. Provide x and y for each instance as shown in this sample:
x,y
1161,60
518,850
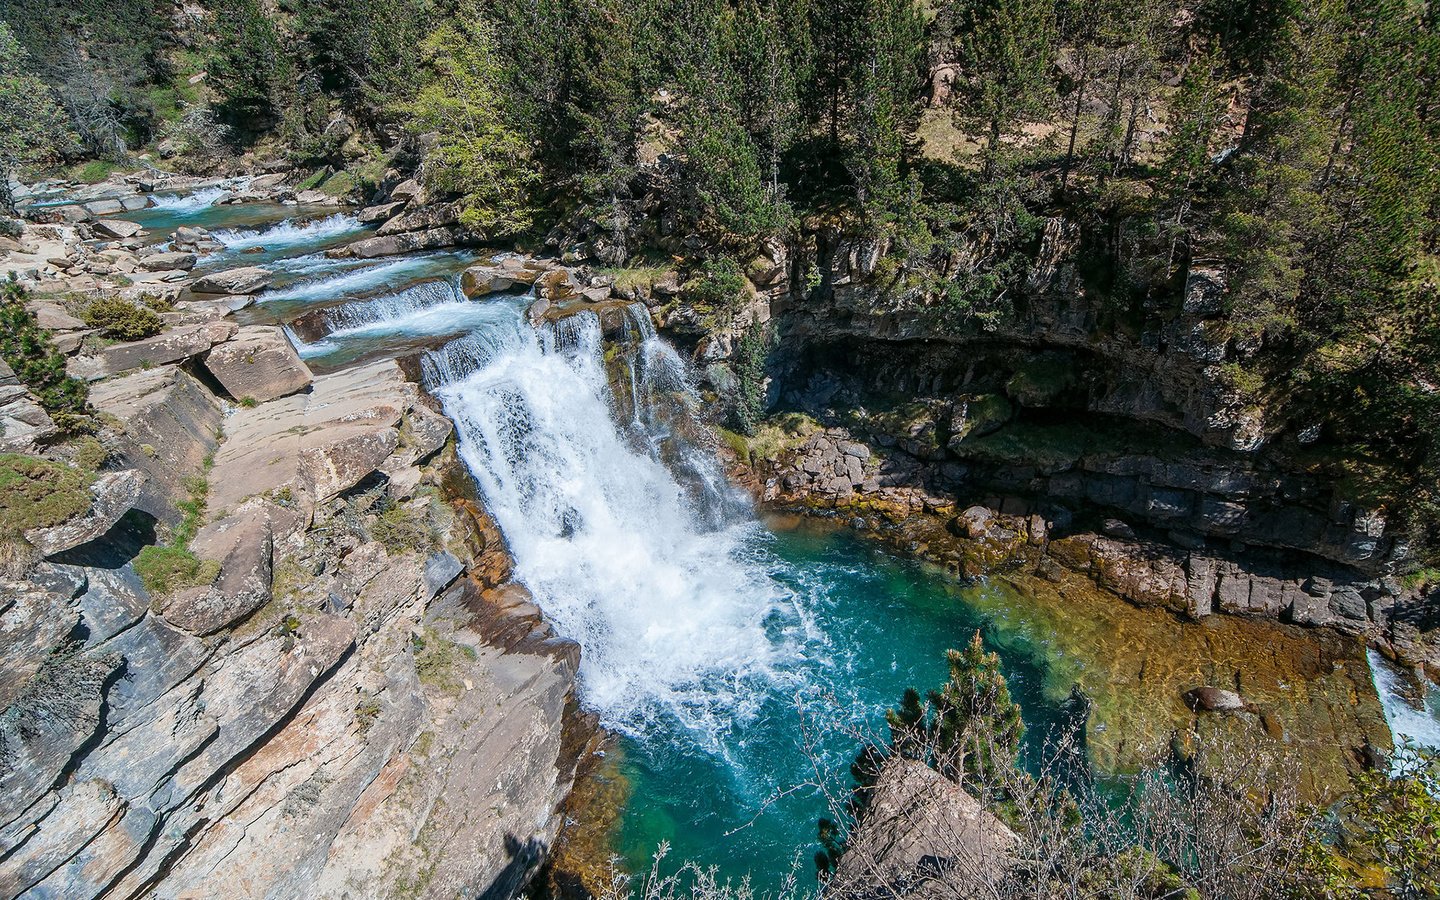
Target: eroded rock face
x,y
114,494
258,363
330,700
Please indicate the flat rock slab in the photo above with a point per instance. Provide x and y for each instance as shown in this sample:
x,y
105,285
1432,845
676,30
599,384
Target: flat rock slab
x,y
319,443
118,228
258,363
390,245
244,280
168,261
171,346
170,422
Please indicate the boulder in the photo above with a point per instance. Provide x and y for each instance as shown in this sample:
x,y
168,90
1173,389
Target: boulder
x,y
156,262
113,493
922,835
265,182
104,207
1213,699
478,281
258,363
379,212
53,317
389,245
117,228
242,544
423,218
317,198
407,190
244,280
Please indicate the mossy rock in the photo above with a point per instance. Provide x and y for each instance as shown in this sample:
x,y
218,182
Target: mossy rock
x,y
38,493
1040,382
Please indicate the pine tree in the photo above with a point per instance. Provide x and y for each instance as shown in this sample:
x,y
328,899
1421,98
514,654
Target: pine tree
x,y
1006,47
249,66
971,728
478,154
32,126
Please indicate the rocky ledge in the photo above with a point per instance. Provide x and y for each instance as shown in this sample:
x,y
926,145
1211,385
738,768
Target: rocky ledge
x,y
272,644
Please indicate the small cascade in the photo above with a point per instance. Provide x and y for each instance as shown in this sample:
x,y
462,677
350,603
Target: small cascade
x,y
428,310
659,583
392,306
181,204
289,233
367,278
1411,710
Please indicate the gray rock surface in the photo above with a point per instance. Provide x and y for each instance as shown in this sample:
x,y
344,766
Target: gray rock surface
x,y
244,280
258,363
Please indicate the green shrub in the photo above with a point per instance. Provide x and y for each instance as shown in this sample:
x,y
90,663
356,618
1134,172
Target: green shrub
x,y
402,531
27,350
166,569
37,493
123,320
11,228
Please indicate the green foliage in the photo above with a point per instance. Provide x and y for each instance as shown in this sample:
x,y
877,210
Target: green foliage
x,y
402,530
971,728
478,154
32,125
27,350
36,493
248,64
1393,822
751,353
123,320
164,570
717,284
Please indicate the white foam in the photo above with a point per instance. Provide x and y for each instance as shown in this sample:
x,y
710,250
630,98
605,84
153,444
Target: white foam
x,y
189,203
439,320
676,617
1420,724
289,233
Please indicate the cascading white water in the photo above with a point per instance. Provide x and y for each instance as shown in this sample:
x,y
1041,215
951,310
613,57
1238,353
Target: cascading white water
x,y
428,309
1420,723
664,587
192,202
289,233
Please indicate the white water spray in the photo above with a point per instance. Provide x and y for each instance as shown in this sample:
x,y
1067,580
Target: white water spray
x,y
661,583
1414,718
289,233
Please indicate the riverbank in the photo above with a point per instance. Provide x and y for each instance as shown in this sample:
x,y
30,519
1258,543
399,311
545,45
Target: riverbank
x,y
273,627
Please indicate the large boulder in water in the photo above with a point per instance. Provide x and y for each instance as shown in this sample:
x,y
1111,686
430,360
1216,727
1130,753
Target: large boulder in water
x,y
922,835
244,280
258,363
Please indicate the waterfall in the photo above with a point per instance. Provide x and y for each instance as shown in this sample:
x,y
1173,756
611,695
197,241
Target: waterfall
x,y
664,586
1412,714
